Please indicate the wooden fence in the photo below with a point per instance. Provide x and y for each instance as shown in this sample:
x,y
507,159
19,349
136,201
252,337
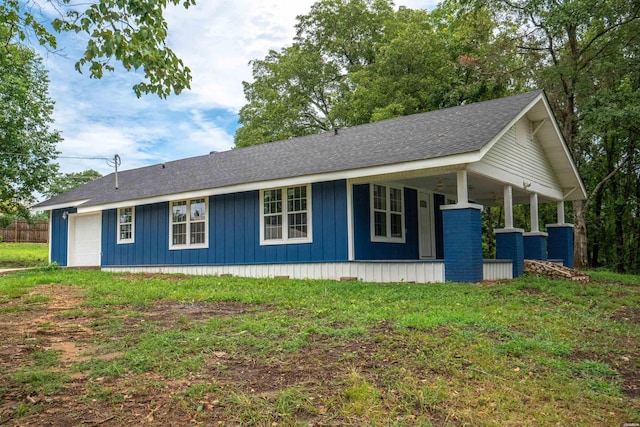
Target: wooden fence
x,y
23,232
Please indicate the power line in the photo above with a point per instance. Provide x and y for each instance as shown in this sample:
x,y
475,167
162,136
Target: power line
x,y
59,157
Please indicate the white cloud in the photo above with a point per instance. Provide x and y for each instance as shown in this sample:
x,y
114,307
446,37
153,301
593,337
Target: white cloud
x,y
216,39
106,141
229,34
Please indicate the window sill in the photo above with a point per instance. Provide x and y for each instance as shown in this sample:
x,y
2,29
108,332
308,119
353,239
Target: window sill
x,y
183,247
285,242
377,239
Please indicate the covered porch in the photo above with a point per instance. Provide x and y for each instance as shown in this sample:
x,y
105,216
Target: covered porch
x,y
442,223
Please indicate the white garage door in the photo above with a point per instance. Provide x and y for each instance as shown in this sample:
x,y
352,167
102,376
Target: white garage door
x,y
84,240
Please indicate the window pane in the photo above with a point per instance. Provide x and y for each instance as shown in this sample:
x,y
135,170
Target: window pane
x,y
198,210
125,215
395,197
273,227
380,223
379,197
179,212
125,232
179,234
297,225
396,225
197,232
297,199
272,201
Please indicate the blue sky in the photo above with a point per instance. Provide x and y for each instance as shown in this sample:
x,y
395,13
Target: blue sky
x,y
216,39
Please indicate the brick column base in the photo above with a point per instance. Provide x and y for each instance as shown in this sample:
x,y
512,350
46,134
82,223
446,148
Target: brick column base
x,y
510,245
462,243
560,243
535,246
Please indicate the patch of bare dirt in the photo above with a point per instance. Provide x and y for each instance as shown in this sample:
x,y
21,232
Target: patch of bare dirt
x,y
627,314
625,366
60,323
36,326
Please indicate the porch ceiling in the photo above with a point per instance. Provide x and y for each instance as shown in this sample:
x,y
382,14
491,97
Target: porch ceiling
x,y
482,190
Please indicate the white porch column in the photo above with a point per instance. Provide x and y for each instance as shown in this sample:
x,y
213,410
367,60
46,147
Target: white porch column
x,y
462,187
561,212
508,206
533,207
535,242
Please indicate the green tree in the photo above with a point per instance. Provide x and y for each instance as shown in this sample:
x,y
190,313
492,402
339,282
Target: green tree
x,y
298,90
573,45
612,142
134,33
27,143
293,94
353,62
429,61
62,183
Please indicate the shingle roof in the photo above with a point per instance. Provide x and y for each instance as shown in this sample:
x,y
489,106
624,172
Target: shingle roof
x,y
440,133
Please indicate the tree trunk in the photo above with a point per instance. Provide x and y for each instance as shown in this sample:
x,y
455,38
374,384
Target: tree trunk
x,y
581,259
595,246
618,212
635,265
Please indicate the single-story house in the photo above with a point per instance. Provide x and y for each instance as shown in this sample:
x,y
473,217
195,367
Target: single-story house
x,y
396,200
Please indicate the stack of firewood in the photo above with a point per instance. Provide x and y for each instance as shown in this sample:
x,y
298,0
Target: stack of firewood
x,y
554,271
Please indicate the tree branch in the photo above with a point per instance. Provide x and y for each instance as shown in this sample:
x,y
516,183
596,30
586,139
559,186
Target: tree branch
x,y
605,179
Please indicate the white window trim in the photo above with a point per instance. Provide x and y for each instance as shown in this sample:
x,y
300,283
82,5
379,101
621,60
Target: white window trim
x,y
189,245
133,225
388,238
285,219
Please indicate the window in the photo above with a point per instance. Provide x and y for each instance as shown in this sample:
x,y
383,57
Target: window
x,y
188,228
387,214
125,225
286,215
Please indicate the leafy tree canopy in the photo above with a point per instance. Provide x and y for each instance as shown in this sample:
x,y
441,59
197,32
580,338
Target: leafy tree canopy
x,y
132,32
27,143
353,62
62,183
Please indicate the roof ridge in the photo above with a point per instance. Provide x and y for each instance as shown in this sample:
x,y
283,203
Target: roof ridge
x,y
437,133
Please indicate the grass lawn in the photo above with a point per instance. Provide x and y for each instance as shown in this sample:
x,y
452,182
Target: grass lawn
x,y
93,348
17,255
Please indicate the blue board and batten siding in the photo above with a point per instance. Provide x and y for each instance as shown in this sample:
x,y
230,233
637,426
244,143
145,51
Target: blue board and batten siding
x,y
365,249
58,246
234,233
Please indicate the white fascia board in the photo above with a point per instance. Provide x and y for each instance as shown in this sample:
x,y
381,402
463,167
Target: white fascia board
x,y
515,180
62,205
567,154
437,162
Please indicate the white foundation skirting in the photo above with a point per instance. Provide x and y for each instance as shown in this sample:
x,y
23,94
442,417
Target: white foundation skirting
x,y
380,272
497,270
383,272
